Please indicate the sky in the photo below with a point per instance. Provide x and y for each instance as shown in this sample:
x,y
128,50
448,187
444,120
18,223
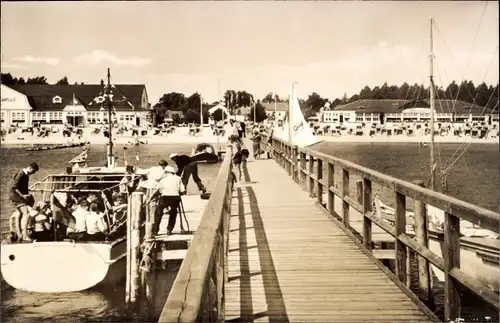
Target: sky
x,y
330,48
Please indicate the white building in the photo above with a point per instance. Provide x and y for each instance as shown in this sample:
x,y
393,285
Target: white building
x,y
79,105
277,111
381,111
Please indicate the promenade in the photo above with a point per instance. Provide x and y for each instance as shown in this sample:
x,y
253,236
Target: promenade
x,y
288,262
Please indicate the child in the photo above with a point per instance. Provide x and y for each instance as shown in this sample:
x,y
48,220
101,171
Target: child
x,y
96,226
39,222
80,213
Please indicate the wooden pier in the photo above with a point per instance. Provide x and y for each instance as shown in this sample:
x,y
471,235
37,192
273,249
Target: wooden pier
x,y
296,242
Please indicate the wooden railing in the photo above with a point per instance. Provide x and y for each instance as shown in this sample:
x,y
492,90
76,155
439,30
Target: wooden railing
x,y
307,166
197,292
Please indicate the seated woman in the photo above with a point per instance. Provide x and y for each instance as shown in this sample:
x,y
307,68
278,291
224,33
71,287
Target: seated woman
x,y
80,214
96,225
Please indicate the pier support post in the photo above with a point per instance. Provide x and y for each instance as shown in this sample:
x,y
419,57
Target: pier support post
x,y
133,243
421,235
295,160
148,272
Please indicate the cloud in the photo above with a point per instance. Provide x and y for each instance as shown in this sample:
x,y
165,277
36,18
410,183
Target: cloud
x,y
37,60
101,56
12,66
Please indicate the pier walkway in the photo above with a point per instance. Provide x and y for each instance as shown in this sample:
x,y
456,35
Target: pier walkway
x,y
297,241
288,261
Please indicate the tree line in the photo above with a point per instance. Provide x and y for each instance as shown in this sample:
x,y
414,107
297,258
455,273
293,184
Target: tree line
x,y
482,95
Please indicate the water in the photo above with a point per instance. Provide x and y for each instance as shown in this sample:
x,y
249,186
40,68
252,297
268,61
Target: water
x,y
87,306
474,178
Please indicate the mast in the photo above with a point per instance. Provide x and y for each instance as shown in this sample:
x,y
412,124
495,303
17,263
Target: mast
x,y
111,161
201,114
290,119
275,113
432,104
254,112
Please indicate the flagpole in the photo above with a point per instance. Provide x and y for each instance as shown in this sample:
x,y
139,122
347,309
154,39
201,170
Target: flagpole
x,y
201,114
275,110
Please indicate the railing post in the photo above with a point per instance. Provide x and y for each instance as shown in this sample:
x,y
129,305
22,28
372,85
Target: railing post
x,y
302,170
310,175
400,226
148,276
319,175
330,182
451,255
290,160
295,163
344,193
367,207
421,236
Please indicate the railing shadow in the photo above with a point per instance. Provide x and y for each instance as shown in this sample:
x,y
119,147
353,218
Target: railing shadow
x,y
276,310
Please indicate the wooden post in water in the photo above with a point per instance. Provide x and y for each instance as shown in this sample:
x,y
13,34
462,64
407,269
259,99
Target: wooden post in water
x,y
421,236
148,273
133,243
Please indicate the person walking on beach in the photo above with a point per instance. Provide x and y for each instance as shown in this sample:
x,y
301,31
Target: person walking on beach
x,y
22,199
171,189
186,167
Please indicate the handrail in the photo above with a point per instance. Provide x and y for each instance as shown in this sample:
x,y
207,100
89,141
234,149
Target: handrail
x,y
197,292
306,166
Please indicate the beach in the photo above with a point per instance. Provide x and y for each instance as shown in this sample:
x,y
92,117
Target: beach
x,y
179,136
450,139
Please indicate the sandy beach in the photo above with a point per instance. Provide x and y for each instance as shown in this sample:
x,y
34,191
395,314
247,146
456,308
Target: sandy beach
x,y
407,139
179,137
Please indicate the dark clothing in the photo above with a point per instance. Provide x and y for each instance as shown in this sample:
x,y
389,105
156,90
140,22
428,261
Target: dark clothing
x,y
181,161
242,126
21,183
172,202
240,133
237,158
78,236
41,235
192,169
99,236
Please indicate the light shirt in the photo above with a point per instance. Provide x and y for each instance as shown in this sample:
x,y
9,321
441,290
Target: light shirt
x,y
80,215
154,175
171,185
95,223
41,222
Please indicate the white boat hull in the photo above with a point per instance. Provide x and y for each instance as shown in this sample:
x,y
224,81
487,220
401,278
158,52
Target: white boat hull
x,y
57,267
471,263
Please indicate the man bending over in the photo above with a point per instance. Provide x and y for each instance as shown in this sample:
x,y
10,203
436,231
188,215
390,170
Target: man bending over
x,y
186,167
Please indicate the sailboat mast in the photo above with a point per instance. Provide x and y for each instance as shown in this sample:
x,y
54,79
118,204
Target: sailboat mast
x,y
432,106
201,113
110,123
290,121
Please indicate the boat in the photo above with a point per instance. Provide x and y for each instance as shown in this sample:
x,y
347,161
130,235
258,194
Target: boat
x,y
58,146
299,133
205,153
480,248
65,265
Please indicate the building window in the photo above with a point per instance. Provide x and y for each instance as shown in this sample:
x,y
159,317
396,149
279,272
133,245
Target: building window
x,y
18,117
3,116
57,99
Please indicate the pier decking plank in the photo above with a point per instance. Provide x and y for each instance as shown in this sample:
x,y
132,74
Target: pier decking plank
x,y
289,263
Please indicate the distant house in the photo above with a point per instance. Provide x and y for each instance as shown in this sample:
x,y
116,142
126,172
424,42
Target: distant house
x,y
381,111
26,104
278,110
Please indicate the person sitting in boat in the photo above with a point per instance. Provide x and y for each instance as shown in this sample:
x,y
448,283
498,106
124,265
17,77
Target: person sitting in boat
x,y
22,199
171,189
80,214
40,222
93,197
96,225
118,208
186,167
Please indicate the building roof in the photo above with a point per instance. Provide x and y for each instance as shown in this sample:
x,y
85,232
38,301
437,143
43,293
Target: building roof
x,y
40,95
280,106
397,106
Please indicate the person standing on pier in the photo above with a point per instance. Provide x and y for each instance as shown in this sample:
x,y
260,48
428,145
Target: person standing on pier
x,y
171,188
186,167
22,199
